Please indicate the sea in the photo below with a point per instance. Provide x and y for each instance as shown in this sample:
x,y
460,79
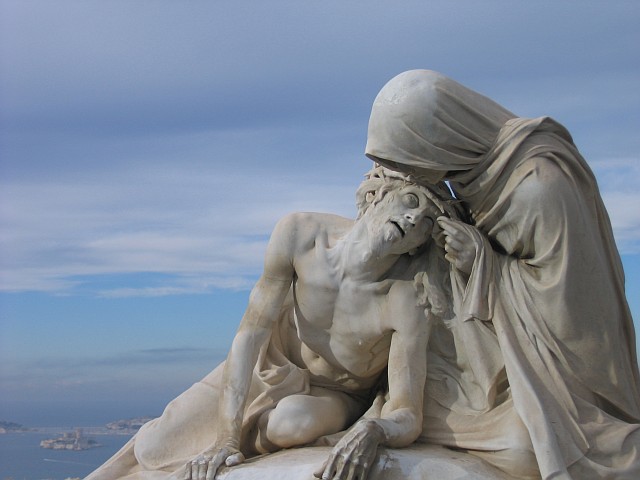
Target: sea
x,y
21,457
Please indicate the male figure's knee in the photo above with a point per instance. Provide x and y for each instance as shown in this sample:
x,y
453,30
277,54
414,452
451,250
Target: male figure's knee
x,y
290,425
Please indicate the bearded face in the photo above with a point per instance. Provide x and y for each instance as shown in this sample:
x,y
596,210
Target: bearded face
x,y
401,221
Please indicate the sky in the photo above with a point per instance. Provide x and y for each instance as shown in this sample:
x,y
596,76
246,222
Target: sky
x,y
148,148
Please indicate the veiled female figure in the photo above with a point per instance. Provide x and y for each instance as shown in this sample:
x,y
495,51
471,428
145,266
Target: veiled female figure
x,y
543,326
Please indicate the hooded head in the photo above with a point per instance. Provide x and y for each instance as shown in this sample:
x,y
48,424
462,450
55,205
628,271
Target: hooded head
x,y
426,124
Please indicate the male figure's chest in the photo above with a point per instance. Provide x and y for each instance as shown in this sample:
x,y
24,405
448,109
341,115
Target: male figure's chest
x,y
345,323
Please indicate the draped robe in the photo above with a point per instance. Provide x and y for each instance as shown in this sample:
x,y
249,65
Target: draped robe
x,y
544,304
188,425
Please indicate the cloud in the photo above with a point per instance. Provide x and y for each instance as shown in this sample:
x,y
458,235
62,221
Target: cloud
x,y
133,358
205,226
181,286
199,227
128,367
193,68
173,146
154,356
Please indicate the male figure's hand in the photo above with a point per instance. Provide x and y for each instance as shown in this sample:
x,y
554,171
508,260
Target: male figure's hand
x,y
206,465
354,455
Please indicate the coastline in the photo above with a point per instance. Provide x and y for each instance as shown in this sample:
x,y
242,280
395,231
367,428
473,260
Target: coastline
x,y
21,456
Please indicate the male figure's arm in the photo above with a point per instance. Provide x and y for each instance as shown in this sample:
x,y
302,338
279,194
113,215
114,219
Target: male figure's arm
x,y
400,422
401,417
265,304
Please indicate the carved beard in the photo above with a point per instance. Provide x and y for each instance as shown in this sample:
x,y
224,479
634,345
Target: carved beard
x,y
382,234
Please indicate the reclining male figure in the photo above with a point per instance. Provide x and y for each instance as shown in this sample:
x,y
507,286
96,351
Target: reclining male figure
x,y
339,303
356,313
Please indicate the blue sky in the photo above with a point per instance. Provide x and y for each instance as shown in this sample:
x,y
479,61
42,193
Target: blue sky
x,y
147,149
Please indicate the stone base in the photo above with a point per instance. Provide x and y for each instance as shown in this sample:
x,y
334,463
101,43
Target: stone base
x,y
413,463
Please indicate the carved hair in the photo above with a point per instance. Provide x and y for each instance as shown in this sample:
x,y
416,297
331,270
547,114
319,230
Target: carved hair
x,y
379,181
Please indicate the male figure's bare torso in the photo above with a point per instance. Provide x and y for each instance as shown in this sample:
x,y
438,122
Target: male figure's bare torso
x,y
355,312
343,325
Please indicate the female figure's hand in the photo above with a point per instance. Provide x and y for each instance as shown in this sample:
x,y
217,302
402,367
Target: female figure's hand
x,y
459,244
206,465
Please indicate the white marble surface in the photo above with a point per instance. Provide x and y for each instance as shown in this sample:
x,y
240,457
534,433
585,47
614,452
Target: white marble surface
x,y
412,463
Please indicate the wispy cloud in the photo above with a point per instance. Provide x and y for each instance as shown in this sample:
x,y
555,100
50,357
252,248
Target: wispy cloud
x,y
181,286
117,163
124,367
204,227
200,230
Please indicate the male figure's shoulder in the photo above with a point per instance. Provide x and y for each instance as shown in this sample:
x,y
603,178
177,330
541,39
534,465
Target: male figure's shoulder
x,y
295,235
303,228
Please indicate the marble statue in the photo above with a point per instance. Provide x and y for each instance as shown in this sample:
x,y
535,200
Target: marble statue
x,y
536,266
343,308
487,332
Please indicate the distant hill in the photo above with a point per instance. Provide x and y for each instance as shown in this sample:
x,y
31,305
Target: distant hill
x,y
11,427
128,425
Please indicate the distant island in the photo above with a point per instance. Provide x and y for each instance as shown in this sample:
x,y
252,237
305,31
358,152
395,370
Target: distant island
x,y
70,441
6,427
129,426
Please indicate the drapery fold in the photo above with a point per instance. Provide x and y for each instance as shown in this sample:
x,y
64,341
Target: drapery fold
x,y
549,278
187,427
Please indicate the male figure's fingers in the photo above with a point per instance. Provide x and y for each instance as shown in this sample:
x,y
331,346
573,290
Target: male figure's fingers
x,y
342,466
363,471
214,466
330,468
235,459
318,473
212,469
187,472
351,472
202,470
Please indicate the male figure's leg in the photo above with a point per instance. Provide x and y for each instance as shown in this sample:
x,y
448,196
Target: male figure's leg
x,y
302,419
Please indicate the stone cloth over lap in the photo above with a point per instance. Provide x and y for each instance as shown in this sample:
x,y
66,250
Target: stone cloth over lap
x,y
188,425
